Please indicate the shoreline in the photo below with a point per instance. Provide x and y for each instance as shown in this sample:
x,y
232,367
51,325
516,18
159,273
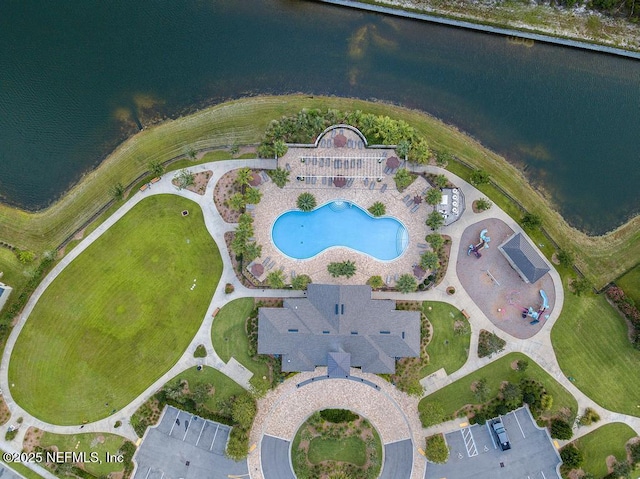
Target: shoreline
x,y
244,122
485,25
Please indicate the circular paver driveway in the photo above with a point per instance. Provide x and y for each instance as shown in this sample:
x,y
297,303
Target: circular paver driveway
x,y
282,412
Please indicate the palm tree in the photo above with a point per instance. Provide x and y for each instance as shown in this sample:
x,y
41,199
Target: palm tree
x,y
252,251
280,176
280,148
377,209
441,181
428,260
236,201
243,178
275,279
300,282
435,240
407,283
433,196
306,202
435,220
252,196
155,168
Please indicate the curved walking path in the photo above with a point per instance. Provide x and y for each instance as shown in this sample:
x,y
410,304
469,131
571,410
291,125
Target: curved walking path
x,y
325,393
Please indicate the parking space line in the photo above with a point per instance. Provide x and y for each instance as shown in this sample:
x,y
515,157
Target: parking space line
x,y
148,472
214,436
162,476
516,416
543,477
201,429
175,421
469,442
493,441
187,429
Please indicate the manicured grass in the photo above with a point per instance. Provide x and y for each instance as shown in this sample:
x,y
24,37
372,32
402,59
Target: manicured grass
x,y
447,349
118,316
89,443
244,121
15,274
630,283
22,469
609,439
350,449
454,396
591,344
229,337
223,386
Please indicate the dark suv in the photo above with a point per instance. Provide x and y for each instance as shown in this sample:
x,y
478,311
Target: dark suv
x,y
501,434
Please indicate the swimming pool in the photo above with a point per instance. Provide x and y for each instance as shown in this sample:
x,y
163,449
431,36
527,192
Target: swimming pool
x,y
303,235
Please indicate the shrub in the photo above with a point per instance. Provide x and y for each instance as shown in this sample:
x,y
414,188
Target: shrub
x,y
431,413
345,268
434,220
531,221
571,456
306,202
184,179
155,168
489,343
403,179
243,410
300,282
478,177
443,158
238,444
117,424
11,434
483,204
407,283
481,390
436,449
375,282
580,286
561,429
634,453
25,256
200,352
229,288
279,176
565,258
117,191
522,365
338,415
441,181
377,209
589,417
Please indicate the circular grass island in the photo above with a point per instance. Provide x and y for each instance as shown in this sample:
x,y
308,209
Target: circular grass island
x,y
336,443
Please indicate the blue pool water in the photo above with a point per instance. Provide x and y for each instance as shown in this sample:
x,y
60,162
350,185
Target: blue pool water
x,y
303,235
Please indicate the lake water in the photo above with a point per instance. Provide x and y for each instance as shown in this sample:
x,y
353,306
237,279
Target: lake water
x,y
75,76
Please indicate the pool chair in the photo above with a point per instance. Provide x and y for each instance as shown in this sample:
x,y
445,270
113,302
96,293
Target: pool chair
x,y
353,163
313,180
415,208
366,182
324,180
359,162
372,185
349,182
321,162
288,167
384,188
314,161
388,281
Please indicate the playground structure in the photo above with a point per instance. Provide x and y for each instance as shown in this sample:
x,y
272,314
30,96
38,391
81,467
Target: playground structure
x,y
484,243
535,314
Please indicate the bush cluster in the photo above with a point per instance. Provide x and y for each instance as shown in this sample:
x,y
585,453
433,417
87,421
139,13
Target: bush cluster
x,y
627,307
489,343
337,416
436,449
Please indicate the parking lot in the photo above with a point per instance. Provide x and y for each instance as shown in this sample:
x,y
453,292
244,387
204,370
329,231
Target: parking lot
x,y
475,453
186,446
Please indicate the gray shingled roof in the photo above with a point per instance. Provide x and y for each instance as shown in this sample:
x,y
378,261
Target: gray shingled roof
x,y
339,319
524,258
338,365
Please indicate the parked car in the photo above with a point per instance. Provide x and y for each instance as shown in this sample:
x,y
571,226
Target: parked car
x,y
501,434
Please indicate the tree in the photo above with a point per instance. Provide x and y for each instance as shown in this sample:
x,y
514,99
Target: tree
x,y
200,393
300,282
436,449
441,181
402,149
25,256
531,221
580,286
407,283
275,279
483,204
565,258
280,176
243,178
561,429
243,410
191,153
117,191
443,158
522,365
238,444
403,179
252,251
280,148
512,393
252,196
306,201
184,179
435,220
419,151
481,390
428,260
634,453
345,268
237,201
479,177
375,282
433,196
155,168
571,456
377,209
435,240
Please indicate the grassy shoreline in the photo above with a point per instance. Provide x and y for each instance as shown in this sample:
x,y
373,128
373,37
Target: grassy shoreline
x,y
601,258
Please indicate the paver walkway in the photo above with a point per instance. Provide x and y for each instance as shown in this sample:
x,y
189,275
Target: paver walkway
x,y
539,348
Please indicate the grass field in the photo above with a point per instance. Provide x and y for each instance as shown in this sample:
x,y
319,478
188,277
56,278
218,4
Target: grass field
x,y
229,336
99,443
22,469
456,395
223,386
590,341
609,439
350,449
244,121
118,316
15,274
447,349
630,283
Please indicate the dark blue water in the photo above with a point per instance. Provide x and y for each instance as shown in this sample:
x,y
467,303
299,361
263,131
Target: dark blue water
x,y
77,77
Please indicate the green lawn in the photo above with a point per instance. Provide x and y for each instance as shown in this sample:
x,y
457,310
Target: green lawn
x,y
229,336
223,386
454,396
447,349
630,283
99,443
23,470
15,274
591,344
350,449
118,316
607,440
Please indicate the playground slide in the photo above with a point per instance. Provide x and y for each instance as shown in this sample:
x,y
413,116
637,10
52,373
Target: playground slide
x,y
545,301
